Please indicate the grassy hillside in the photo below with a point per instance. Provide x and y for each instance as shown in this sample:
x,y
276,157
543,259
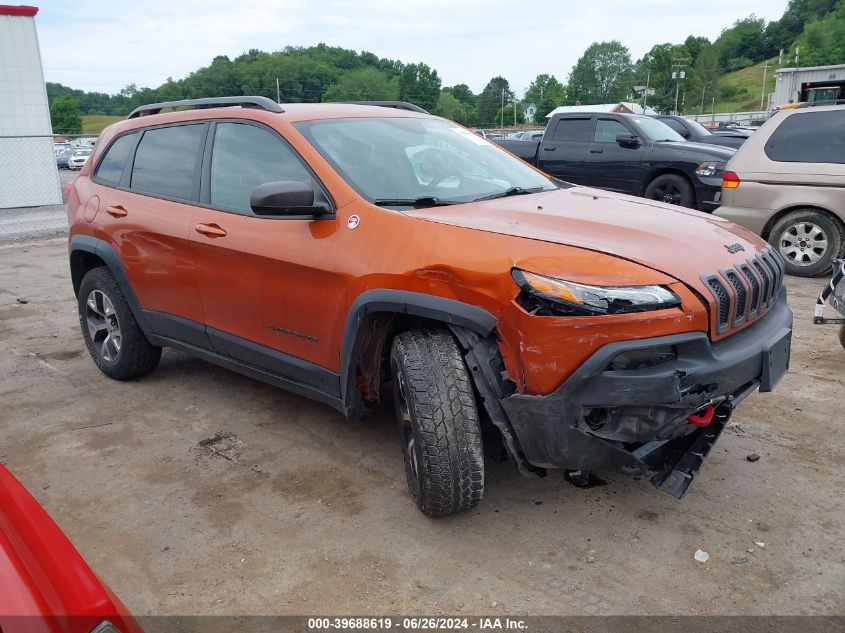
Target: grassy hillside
x,y
95,123
741,89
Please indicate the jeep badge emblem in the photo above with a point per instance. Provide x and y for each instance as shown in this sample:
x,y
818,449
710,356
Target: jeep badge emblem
x,y
353,222
732,248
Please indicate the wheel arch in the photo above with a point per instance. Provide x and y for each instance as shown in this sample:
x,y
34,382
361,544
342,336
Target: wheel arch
x,y
663,171
375,317
86,253
776,217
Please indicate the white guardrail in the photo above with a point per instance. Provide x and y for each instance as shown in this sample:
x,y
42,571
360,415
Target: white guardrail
x,y
737,118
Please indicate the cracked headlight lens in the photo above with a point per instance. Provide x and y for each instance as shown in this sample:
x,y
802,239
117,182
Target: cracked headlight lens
x,y
546,296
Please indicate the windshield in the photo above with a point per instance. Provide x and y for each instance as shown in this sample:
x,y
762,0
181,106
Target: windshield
x,y
392,160
656,130
699,129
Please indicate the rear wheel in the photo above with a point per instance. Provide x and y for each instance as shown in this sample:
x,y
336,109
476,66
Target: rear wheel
x,y
672,189
842,335
438,420
808,240
115,341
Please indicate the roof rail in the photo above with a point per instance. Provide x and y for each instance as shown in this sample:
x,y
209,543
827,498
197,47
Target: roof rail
x,y
260,103
399,105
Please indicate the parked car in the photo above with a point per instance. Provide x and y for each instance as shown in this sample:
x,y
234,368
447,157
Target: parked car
x,y
527,135
355,254
46,585
63,157
787,184
631,154
78,158
693,131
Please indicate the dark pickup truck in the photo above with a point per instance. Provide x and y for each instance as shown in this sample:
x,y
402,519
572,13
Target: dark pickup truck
x,y
631,154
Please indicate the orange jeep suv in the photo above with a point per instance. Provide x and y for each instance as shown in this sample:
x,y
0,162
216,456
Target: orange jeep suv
x,y
357,253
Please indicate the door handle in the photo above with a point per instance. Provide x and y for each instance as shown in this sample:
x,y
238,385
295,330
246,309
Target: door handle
x,y
549,149
117,211
596,151
211,230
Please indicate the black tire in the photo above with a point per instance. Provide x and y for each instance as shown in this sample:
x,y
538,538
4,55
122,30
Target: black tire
x,y
129,354
672,189
842,335
438,418
807,258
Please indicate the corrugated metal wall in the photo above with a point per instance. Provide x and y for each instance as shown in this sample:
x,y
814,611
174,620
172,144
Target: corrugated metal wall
x,y
788,81
28,174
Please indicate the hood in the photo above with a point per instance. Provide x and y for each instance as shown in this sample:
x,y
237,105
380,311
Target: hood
x,y
706,151
681,243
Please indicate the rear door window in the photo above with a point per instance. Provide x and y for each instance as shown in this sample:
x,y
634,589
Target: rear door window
x,y
675,125
809,137
579,129
245,156
166,160
111,166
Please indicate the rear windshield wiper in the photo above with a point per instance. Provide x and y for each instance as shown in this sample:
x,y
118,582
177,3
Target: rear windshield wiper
x,y
417,203
513,191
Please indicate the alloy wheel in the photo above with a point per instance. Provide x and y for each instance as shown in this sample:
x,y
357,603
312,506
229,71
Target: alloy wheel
x,y
668,193
803,243
103,325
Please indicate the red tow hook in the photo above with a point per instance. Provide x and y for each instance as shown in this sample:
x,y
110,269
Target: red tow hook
x,y
703,417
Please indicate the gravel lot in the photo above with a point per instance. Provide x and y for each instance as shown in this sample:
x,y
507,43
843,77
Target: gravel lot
x,y
196,490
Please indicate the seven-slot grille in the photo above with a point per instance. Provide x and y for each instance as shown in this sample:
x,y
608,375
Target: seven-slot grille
x,y
747,290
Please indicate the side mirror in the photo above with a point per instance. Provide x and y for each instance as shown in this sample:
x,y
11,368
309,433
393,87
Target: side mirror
x,y
286,197
628,140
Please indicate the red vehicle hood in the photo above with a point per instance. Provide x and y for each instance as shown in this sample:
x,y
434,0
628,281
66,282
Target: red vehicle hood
x,y
43,578
681,243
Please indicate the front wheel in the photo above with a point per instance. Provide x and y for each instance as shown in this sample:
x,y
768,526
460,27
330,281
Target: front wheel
x,y
842,335
438,420
672,189
808,240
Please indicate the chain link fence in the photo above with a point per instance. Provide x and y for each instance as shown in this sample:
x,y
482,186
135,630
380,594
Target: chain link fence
x,y
28,173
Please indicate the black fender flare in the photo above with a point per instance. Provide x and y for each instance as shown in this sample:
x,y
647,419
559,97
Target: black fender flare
x,y
447,311
106,252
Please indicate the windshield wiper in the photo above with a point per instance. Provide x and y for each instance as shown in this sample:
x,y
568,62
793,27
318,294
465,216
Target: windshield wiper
x,y
513,191
417,203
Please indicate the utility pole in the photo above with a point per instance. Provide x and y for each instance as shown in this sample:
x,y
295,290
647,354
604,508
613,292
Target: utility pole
x,y
703,90
502,116
514,113
763,93
679,74
278,92
645,94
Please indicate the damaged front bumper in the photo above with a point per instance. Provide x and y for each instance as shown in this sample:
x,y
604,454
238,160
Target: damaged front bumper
x,y
619,412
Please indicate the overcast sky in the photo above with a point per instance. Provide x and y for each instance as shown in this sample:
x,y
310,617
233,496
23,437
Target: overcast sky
x,y
104,45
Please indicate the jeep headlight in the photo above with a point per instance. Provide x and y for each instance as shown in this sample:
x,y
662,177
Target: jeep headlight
x,y
711,169
546,296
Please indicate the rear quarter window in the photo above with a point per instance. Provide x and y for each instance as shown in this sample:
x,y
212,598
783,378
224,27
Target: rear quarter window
x,y
110,169
809,137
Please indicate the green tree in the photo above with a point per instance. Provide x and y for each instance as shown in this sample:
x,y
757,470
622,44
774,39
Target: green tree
x,y
362,84
745,39
64,113
656,68
603,74
505,114
546,93
822,42
490,100
707,71
420,85
449,107
694,45
462,93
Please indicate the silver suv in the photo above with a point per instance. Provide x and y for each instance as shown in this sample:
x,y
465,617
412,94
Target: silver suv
x,y
787,184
